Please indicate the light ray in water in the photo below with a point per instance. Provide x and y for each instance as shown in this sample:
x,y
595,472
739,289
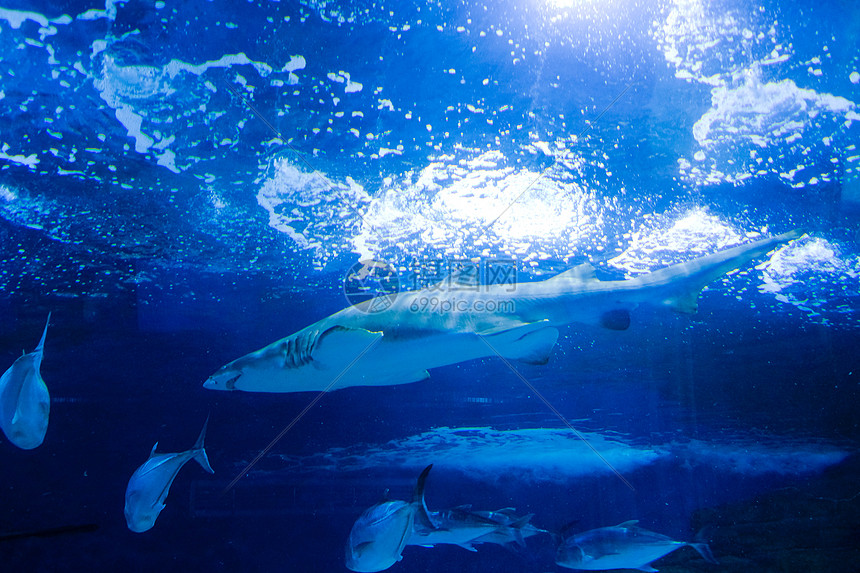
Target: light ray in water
x,y
298,417
295,151
548,167
555,411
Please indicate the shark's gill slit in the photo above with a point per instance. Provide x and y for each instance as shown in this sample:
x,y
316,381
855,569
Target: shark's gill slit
x,y
558,414
298,417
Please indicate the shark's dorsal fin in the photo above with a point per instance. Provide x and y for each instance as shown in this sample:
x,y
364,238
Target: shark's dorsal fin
x,y
152,453
631,523
580,273
463,278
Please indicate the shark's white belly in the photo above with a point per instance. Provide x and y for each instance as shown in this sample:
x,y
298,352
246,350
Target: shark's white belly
x,y
370,363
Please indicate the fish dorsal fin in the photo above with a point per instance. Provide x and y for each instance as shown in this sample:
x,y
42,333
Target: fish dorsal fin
x,y
580,274
198,445
41,345
418,493
152,453
423,514
462,276
631,523
522,521
465,276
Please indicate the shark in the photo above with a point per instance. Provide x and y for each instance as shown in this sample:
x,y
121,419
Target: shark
x,y
149,485
398,339
378,536
25,403
623,546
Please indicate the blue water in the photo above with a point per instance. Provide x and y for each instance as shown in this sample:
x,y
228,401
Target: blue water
x,y
183,183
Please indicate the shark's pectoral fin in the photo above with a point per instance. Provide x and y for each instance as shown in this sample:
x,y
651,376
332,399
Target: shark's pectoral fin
x,y
531,342
342,343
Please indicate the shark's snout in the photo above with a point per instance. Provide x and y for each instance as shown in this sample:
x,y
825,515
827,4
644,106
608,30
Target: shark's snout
x,y
222,380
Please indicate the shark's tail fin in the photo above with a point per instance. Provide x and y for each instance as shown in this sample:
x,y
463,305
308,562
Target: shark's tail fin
x,y
681,284
200,452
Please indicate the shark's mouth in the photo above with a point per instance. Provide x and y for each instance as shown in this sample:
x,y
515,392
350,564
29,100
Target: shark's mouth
x,y
215,384
231,383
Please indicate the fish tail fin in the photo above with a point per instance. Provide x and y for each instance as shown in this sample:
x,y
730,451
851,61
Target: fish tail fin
x,y
681,284
705,551
700,544
200,451
514,529
203,460
41,345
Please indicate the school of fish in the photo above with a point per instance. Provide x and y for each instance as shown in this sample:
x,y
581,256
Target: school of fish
x,y
400,345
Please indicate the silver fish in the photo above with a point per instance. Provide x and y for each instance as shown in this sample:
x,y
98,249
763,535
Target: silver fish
x,y
396,345
379,535
148,487
513,528
457,526
24,400
624,546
